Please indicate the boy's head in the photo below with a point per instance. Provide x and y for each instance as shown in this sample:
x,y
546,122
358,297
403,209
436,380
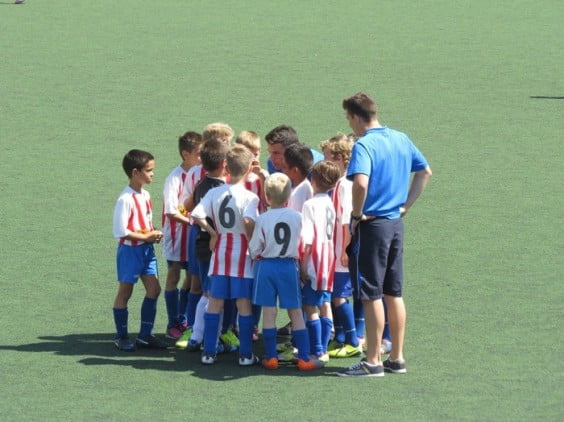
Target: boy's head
x,y
220,131
189,145
278,189
135,161
251,140
278,139
213,154
324,176
239,160
298,160
338,150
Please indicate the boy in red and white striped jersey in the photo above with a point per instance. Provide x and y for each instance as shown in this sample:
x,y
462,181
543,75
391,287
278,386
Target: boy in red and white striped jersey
x,y
176,226
317,264
233,210
133,227
255,179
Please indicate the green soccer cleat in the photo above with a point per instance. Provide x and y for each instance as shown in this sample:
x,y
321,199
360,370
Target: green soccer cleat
x,y
345,351
182,342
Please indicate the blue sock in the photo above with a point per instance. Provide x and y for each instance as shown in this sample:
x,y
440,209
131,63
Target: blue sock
x,y
193,299
301,339
257,309
120,319
246,328
148,313
338,323
358,310
314,330
229,309
269,340
211,325
171,302
182,305
326,326
347,314
386,334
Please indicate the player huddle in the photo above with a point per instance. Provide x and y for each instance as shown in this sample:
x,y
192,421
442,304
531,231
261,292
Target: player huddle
x,y
249,242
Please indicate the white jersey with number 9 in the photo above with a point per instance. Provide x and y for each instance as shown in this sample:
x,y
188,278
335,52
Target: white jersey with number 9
x,y
277,234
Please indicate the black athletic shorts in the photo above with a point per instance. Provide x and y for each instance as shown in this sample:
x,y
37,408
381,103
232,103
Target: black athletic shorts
x,y
376,258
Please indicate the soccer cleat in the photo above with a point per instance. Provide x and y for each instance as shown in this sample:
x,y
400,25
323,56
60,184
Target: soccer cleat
x,y
285,330
124,344
173,333
284,347
208,359
244,361
270,363
323,357
287,356
230,341
394,366
345,351
386,347
362,369
194,345
334,345
150,342
184,339
310,365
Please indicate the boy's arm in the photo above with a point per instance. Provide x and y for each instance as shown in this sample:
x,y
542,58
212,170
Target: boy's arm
x,y
154,236
249,226
346,240
303,263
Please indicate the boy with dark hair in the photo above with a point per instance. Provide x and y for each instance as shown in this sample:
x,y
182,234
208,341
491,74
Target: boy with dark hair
x,y
233,211
317,264
297,164
175,234
133,227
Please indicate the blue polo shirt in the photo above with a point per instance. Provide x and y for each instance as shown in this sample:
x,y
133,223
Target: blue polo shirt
x,y
388,158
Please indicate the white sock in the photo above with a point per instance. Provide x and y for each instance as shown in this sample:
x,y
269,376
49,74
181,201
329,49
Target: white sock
x,y
198,327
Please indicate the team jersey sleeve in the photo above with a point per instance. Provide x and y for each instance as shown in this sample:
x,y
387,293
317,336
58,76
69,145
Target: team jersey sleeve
x,y
170,195
122,211
251,210
359,162
308,221
204,207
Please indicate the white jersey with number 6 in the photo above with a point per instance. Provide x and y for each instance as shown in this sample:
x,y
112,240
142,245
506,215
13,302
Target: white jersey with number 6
x,y
318,223
277,234
227,206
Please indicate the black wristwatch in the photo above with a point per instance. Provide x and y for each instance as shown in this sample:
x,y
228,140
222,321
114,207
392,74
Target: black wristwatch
x,y
355,218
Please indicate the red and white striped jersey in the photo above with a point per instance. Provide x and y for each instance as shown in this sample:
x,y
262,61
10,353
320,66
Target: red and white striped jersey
x,y
254,184
227,206
318,223
175,234
342,201
195,174
277,234
133,213
300,194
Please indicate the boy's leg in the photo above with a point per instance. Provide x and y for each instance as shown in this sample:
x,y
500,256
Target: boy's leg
x,y
269,331
246,327
148,313
171,299
121,315
338,322
211,326
346,313
326,320
183,300
299,333
313,325
358,310
193,298
199,324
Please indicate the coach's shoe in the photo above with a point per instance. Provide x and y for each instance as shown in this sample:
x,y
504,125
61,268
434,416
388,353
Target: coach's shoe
x,y
208,359
395,366
124,344
362,369
270,363
386,347
345,351
184,339
230,341
174,333
244,361
150,342
310,365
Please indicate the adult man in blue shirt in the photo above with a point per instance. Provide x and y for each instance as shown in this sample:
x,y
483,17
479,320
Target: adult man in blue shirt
x,y
380,167
278,139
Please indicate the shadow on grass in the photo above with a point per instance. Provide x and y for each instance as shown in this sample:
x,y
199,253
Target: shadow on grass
x,y
545,97
98,350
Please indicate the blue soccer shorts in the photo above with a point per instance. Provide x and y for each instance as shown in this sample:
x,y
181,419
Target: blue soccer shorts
x,y
135,261
314,297
192,259
227,287
342,286
277,278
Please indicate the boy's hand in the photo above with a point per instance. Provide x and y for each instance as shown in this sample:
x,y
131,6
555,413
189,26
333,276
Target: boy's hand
x,y
255,168
154,236
344,259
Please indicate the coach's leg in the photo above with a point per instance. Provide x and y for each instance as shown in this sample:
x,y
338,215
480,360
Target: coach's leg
x,y
397,319
374,319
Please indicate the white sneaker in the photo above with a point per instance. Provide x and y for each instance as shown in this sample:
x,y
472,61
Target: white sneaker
x,y
253,360
208,359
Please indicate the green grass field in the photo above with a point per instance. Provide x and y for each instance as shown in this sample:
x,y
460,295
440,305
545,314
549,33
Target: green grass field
x,y
477,85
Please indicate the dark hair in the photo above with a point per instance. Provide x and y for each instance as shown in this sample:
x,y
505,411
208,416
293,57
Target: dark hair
x,y
283,134
360,104
212,154
135,159
188,141
300,156
325,175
